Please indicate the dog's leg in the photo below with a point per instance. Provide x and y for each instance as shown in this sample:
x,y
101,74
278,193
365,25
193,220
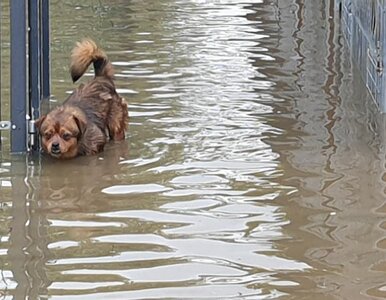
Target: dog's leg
x,y
116,133
117,119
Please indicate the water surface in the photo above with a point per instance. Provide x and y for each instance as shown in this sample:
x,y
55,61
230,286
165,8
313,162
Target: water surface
x,y
253,166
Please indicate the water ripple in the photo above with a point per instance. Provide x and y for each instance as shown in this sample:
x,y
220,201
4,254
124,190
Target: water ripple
x,y
245,173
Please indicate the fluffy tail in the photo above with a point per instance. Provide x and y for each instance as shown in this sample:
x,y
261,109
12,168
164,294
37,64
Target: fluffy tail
x,y
85,53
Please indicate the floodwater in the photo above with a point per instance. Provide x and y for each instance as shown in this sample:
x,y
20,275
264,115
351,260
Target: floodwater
x,y
254,164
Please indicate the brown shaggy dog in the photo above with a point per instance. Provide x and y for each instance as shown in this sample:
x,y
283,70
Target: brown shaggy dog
x,y
79,126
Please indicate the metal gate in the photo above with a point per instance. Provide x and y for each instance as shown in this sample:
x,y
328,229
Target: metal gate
x,y
27,22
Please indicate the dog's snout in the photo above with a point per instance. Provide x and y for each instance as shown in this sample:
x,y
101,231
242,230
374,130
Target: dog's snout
x,y
55,147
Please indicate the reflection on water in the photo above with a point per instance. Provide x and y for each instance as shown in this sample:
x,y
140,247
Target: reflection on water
x,y
252,169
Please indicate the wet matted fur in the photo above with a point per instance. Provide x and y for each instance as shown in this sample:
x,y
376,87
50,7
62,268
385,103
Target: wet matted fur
x,y
94,110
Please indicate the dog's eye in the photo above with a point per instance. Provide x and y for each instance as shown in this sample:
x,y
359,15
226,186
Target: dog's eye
x,y
47,135
66,136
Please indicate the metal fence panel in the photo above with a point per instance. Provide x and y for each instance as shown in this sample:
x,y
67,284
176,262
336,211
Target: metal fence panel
x,y
18,76
363,27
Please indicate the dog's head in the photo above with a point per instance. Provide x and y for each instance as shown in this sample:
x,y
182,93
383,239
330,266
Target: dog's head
x,y
60,131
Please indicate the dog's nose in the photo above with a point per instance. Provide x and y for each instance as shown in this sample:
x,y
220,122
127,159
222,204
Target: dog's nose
x,y
55,148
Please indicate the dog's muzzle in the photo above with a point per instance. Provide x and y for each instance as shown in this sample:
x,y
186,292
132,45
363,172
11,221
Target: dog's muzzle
x,y
55,148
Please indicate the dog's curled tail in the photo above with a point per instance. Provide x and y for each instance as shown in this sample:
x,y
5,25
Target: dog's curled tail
x,y
85,53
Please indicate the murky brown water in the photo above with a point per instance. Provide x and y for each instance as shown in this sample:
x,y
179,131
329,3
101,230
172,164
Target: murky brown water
x,y
254,167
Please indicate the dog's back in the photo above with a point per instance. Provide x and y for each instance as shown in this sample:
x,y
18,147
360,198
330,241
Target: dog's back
x,y
98,98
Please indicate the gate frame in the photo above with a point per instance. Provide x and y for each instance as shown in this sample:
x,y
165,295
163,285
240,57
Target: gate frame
x,y
30,74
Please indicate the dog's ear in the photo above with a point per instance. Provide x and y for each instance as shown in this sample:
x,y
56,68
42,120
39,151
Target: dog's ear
x,y
39,122
81,125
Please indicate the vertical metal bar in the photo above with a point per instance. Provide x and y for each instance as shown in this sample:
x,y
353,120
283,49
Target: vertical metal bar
x,y
18,76
45,48
34,63
34,58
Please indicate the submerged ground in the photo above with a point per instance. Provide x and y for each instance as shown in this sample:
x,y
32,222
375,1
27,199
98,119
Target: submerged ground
x,y
253,166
